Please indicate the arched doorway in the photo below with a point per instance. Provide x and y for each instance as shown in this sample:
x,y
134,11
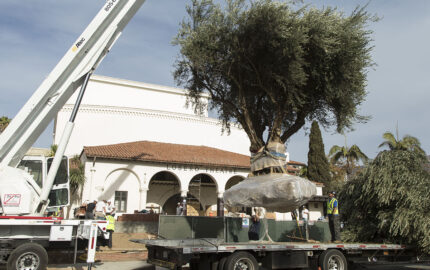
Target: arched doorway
x,y
171,203
162,186
202,194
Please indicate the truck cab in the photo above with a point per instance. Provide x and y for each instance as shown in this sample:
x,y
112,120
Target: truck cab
x,y
38,167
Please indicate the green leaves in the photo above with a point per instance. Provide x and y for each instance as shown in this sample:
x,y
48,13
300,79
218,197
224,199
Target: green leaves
x,y
318,166
268,66
389,200
408,143
4,122
77,174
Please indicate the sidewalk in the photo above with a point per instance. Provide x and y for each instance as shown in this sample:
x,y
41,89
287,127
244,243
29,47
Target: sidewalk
x,y
122,251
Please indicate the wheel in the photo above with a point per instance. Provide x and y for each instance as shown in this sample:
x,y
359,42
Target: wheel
x,y
28,256
241,261
332,259
222,263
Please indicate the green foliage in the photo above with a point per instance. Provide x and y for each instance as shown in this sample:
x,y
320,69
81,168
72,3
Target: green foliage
x,y
4,122
347,156
318,166
77,174
389,201
53,150
408,143
270,67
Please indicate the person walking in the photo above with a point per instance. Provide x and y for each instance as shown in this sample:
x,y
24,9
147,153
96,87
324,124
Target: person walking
x,y
110,228
333,217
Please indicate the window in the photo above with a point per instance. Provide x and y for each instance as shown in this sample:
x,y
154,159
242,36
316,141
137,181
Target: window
x,y
33,167
121,201
62,173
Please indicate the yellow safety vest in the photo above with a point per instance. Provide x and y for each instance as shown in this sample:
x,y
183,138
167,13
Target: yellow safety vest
x,y
330,207
111,223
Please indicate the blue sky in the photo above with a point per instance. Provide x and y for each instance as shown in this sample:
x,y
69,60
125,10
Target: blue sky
x,y
35,34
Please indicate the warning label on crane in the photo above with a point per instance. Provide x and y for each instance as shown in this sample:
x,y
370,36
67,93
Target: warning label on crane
x,y
12,199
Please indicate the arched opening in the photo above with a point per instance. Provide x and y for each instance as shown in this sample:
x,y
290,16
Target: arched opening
x,y
122,187
162,186
233,181
202,194
169,206
230,183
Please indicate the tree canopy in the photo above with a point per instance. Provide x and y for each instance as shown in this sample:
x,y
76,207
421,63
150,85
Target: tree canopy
x,y
347,157
407,143
389,201
4,122
271,67
318,166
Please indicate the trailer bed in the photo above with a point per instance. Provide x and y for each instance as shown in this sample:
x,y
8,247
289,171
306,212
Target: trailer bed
x,y
207,245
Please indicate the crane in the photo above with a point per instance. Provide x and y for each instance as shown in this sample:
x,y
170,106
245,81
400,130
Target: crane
x,y
72,71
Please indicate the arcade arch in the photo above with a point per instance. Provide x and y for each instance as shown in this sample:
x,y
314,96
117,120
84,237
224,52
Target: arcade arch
x,y
163,186
120,186
233,181
202,195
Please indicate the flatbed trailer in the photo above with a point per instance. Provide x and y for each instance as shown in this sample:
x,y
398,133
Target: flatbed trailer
x,y
215,254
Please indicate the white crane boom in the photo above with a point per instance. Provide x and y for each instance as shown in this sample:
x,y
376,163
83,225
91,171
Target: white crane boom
x,y
85,54
71,72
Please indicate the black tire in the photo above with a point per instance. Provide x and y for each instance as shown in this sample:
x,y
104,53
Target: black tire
x,y
214,265
241,260
28,256
222,263
332,259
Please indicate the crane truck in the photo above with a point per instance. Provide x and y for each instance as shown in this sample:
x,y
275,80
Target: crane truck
x,y
29,186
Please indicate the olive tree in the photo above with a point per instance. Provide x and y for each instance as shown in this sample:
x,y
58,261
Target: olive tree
x,y
271,66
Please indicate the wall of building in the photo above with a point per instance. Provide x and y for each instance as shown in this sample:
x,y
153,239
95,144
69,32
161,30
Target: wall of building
x,y
104,177
117,111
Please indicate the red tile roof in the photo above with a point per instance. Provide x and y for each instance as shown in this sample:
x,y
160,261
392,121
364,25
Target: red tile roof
x,y
292,162
173,153
170,153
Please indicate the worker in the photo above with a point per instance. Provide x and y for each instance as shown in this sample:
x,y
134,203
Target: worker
x,y
179,209
100,210
254,228
58,213
110,228
89,211
110,209
305,213
333,216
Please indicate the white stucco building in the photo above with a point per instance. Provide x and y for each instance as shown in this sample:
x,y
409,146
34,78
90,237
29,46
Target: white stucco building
x,y
144,149
117,111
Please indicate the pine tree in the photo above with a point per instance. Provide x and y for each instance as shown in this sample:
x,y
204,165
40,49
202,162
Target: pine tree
x,y
318,166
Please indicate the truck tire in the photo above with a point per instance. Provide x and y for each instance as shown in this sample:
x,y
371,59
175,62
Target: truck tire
x,y
241,261
332,259
221,263
28,256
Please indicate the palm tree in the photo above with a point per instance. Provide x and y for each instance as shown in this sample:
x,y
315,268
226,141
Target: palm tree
x,y
53,150
408,143
77,174
350,155
4,122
